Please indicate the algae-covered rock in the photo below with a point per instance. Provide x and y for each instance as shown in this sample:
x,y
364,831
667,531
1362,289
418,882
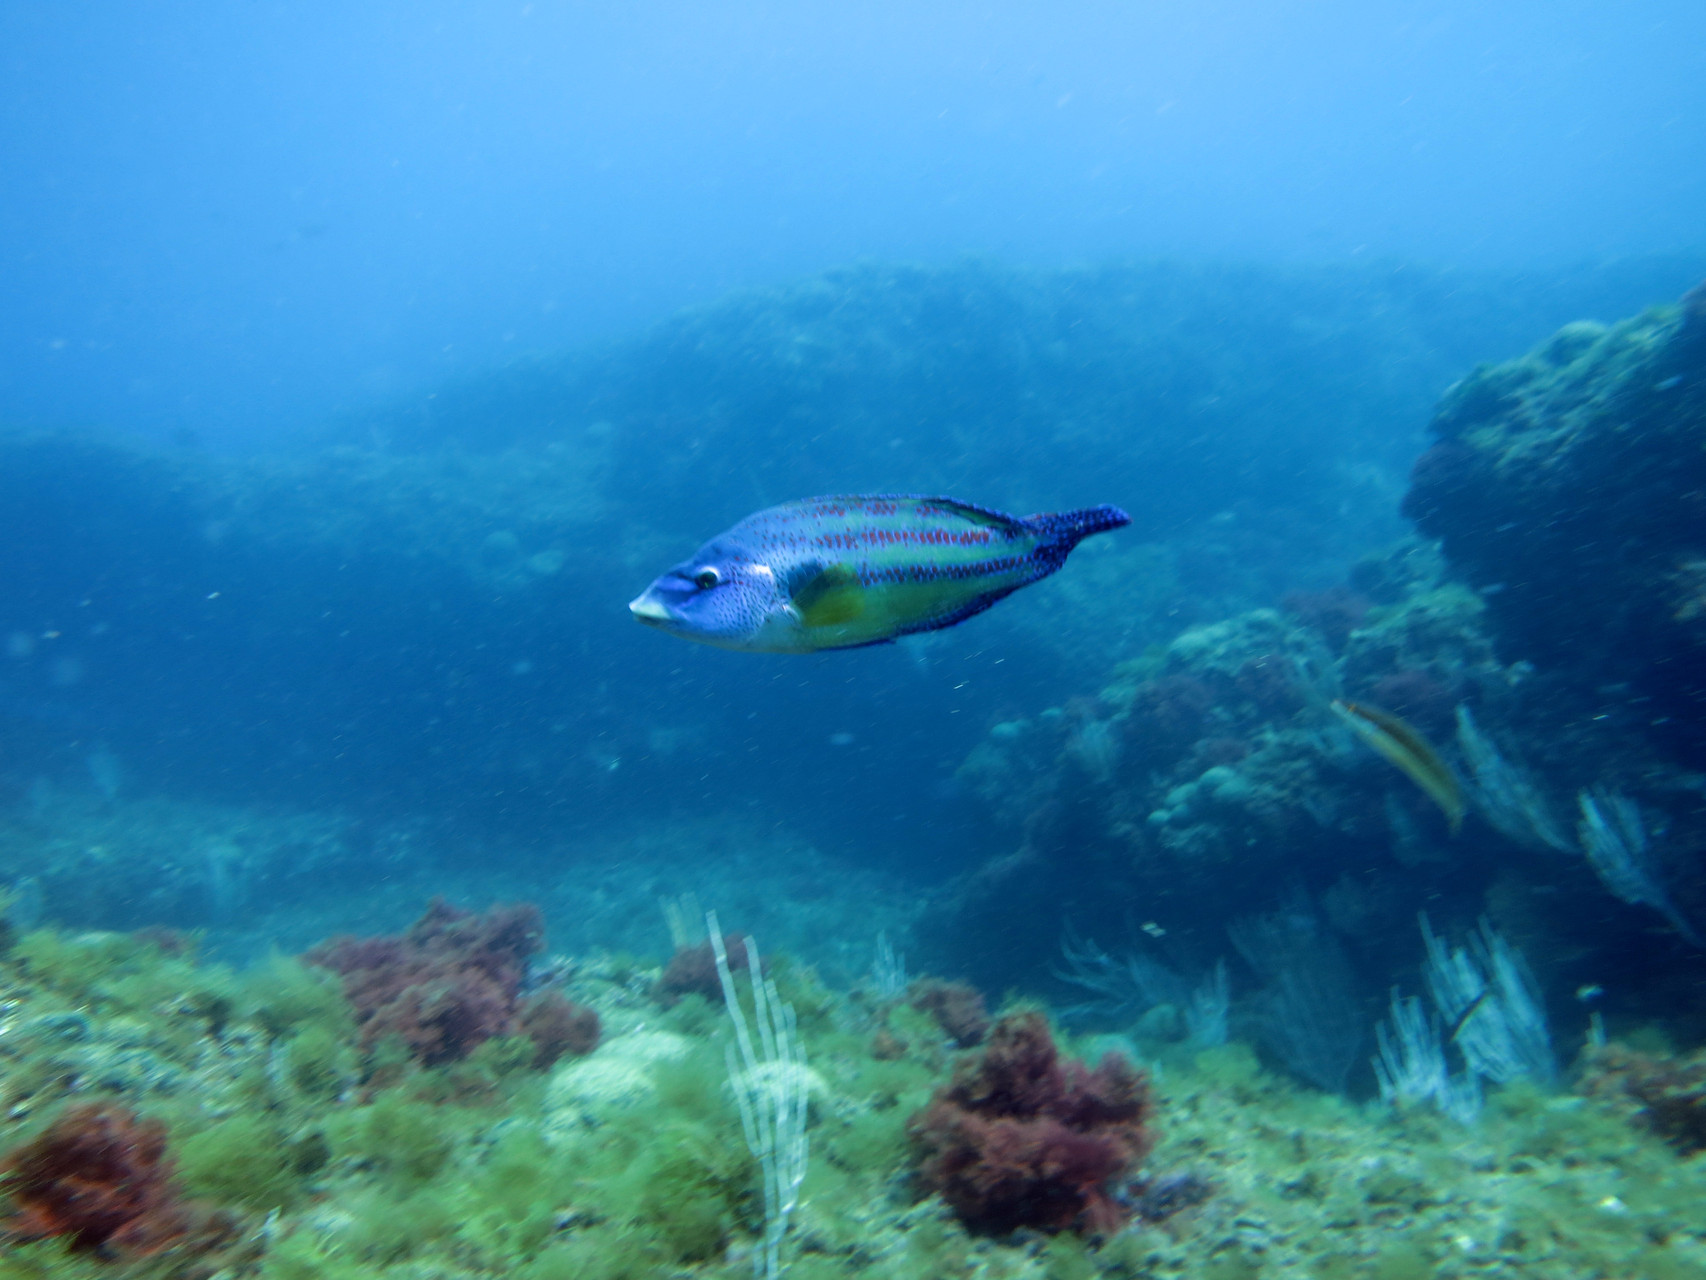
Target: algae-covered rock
x,y
1569,488
620,1073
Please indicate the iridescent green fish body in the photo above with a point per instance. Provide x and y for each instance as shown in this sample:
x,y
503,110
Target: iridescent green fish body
x,y
841,572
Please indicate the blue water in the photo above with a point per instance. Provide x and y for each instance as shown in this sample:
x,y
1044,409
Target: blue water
x,y
359,363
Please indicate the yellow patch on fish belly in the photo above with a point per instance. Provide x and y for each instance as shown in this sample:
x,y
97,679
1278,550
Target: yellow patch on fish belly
x,y
892,609
832,599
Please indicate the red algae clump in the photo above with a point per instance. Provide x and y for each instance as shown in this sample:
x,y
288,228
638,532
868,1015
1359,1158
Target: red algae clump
x,y
558,1027
958,1008
452,982
100,1179
1023,1137
693,970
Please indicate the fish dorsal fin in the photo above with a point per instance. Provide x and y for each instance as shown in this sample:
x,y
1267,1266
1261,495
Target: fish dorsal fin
x,y
986,516
979,515
829,597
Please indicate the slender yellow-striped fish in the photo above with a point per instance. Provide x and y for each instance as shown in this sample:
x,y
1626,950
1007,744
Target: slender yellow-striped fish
x,y
1409,751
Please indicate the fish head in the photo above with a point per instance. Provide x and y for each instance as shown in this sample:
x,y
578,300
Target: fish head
x,y
724,597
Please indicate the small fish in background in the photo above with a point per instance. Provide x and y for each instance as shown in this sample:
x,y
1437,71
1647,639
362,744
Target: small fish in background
x,y
1409,751
844,572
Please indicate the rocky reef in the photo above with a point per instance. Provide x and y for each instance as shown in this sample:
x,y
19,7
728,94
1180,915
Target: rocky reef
x,y
1569,488
1549,646
1209,775
108,862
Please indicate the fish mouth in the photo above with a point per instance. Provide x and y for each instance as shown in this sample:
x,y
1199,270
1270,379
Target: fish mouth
x,y
648,609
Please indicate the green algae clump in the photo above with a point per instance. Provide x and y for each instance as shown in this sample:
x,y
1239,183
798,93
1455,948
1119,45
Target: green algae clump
x,y
245,1160
408,1139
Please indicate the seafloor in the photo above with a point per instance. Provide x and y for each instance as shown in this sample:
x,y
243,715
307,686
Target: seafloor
x,y
629,1161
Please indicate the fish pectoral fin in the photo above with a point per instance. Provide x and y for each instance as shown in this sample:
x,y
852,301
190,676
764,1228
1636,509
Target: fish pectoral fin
x,y
830,597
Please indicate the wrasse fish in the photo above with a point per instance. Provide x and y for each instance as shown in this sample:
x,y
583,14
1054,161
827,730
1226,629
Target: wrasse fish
x,y
1399,742
841,572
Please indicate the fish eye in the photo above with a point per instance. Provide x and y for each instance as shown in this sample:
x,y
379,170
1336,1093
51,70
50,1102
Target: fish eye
x,y
707,578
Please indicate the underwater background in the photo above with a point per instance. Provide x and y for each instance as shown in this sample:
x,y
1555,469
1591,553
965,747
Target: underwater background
x,y
1307,880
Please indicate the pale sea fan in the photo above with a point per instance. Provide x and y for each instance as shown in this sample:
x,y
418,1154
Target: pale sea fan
x,y
1486,1006
1486,992
1506,794
1614,835
1129,986
1411,1067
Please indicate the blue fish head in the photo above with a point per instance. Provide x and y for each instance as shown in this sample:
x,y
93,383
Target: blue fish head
x,y
719,596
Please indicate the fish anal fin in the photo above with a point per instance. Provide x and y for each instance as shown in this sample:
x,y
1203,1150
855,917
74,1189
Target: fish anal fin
x,y
831,597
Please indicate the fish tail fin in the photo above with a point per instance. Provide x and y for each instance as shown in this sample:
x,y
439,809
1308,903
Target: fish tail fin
x,y
1061,531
